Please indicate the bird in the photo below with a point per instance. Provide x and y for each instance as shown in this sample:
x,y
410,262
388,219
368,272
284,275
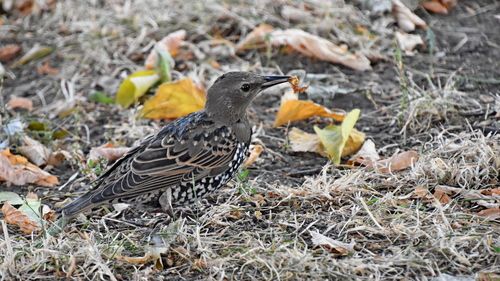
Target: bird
x,y
188,158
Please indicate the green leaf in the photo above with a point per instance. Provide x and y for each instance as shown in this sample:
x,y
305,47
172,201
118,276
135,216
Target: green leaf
x,y
34,53
59,134
37,126
136,85
163,64
334,137
11,197
101,97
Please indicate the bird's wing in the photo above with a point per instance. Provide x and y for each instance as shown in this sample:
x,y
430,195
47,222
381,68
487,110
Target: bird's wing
x,y
165,160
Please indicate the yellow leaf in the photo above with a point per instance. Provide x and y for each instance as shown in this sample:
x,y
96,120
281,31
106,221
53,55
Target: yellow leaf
x,y
335,137
353,143
135,86
174,99
292,109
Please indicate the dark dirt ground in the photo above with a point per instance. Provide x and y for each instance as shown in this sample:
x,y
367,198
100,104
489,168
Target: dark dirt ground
x,y
468,45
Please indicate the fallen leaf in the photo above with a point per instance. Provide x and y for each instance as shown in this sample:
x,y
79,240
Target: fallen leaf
x,y
17,217
173,100
15,169
255,38
292,109
34,53
468,194
491,214
406,19
305,142
408,42
306,43
353,143
134,260
107,151
335,137
46,69
396,162
169,43
421,191
318,47
101,97
254,155
294,81
438,6
135,86
21,103
10,52
39,154
442,197
334,245
366,155
11,197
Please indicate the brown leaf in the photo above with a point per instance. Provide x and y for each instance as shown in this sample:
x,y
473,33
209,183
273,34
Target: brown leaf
x,y
39,154
254,155
14,216
9,53
438,6
407,20
421,191
15,169
254,38
107,151
22,103
442,197
170,43
46,69
397,162
294,81
491,214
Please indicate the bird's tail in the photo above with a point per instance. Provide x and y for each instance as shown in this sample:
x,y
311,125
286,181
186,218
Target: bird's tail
x,y
81,204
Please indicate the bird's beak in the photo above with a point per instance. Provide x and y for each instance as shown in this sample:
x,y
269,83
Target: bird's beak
x,y
274,80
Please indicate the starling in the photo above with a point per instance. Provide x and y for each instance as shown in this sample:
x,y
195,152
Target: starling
x,y
187,159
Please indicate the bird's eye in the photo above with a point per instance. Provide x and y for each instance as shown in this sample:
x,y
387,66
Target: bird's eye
x,y
245,87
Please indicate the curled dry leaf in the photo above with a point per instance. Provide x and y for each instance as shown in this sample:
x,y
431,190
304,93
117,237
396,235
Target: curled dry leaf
x,y
294,81
492,214
46,69
174,99
107,151
169,43
292,109
406,19
408,42
334,246
39,154
10,52
366,155
308,44
438,6
254,155
15,169
21,103
396,162
15,216
305,142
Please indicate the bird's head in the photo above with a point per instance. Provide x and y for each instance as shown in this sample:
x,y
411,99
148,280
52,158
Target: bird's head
x,y
230,95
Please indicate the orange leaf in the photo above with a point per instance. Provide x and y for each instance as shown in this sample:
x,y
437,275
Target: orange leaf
x,y
254,155
491,214
292,109
22,103
15,169
406,19
107,151
438,6
420,191
174,99
9,53
46,69
294,81
169,43
255,37
397,162
14,216
442,197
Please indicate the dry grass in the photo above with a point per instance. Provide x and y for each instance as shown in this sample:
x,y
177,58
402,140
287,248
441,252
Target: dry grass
x,y
258,230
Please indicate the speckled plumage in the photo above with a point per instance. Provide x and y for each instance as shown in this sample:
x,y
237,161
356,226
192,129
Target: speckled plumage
x,y
187,159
